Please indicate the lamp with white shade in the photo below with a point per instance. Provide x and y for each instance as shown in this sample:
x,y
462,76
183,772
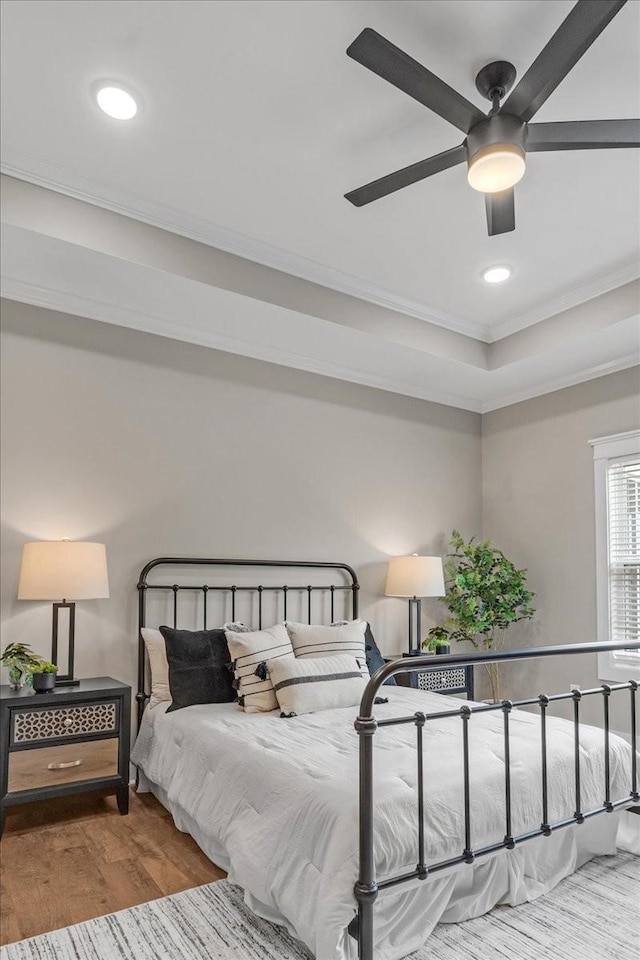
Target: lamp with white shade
x,y
63,571
415,577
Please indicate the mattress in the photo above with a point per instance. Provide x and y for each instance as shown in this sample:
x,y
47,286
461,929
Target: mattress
x,y
275,802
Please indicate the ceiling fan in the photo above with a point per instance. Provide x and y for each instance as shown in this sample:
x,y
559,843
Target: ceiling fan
x,y
496,144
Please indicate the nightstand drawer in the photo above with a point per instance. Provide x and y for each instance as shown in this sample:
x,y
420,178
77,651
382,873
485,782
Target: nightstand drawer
x,y
436,680
450,680
50,723
67,763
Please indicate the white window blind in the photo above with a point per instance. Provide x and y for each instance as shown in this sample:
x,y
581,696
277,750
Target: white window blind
x,y
616,461
623,511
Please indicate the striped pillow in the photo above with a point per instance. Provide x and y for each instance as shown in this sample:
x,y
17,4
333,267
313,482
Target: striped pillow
x,y
323,683
311,641
249,653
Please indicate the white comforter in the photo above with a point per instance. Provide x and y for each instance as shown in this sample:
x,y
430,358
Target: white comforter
x,y
279,798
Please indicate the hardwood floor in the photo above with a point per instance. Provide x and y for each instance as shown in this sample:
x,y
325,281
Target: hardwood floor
x,y
67,860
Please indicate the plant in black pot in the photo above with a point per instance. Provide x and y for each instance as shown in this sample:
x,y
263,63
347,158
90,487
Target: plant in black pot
x,y
437,641
44,676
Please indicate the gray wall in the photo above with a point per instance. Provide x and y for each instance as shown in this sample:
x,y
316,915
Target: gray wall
x,y
538,505
153,446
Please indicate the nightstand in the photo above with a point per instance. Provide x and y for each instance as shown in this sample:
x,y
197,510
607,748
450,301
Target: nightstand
x,y
447,680
69,740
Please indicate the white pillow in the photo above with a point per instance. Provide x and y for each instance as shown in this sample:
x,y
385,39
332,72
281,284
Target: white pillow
x,y
322,683
158,665
311,641
250,650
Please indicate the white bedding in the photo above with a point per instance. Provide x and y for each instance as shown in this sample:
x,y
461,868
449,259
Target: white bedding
x,y
275,801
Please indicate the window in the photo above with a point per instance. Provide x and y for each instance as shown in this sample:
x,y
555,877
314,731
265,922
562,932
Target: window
x,y
617,493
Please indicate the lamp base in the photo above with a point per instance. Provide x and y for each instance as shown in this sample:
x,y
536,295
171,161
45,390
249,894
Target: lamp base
x,y
64,679
415,602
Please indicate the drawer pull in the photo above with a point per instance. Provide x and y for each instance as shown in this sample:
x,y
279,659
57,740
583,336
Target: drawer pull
x,y
68,722
64,766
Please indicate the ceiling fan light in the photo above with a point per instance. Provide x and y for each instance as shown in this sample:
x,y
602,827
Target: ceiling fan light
x,y
496,167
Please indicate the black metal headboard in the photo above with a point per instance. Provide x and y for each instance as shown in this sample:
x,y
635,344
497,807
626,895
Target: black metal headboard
x,y
228,597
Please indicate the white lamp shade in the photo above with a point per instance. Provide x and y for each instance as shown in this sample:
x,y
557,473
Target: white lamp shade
x,y
63,570
415,577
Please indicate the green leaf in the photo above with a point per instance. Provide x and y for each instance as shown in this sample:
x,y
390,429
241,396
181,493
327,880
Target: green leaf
x,y
485,592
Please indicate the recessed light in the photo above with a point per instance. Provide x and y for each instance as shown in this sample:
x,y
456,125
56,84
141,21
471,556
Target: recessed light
x,y
116,103
496,274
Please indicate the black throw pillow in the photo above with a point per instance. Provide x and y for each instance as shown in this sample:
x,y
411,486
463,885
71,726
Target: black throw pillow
x,y
198,667
375,660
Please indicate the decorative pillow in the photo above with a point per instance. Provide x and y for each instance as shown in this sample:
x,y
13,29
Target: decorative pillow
x,y
311,641
198,667
319,683
237,626
375,660
158,665
249,653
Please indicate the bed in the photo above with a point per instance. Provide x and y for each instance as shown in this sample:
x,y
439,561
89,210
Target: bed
x,y
291,807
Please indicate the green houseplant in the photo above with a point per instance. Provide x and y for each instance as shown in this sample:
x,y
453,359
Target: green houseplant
x,y
21,661
485,595
44,676
437,641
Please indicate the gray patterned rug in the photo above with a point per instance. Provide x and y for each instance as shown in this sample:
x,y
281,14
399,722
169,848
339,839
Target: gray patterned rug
x,y
592,915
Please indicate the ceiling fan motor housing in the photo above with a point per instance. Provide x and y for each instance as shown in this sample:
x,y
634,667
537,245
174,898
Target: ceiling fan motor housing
x,y
496,130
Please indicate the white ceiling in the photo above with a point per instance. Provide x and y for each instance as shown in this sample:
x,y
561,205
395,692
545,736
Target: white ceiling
x,y
254,124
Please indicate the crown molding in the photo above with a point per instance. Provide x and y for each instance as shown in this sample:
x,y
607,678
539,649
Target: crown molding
x,y
570,380
578,294
66,302
68,182
103,311
63,180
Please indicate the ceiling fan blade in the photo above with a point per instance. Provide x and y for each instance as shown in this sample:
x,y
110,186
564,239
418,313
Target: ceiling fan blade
x,y
397,67
408,175
583,135
572,39
501,213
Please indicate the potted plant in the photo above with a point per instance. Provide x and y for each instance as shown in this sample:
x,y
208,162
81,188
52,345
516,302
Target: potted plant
x,y
485,595
44,676
21,662
437,641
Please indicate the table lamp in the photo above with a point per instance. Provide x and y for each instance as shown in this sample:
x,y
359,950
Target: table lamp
x,y
63,571
415,577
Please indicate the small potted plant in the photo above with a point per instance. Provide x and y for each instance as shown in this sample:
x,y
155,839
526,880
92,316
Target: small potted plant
x,y
44,676
21,661
437,641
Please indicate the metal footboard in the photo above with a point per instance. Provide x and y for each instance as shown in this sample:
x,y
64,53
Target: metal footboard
x,y
368,885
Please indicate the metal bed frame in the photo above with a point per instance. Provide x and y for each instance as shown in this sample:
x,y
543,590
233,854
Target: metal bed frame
x,y
234,592
368,885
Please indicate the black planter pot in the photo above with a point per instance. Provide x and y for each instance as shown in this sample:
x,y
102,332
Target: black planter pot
x,y
444,649
44,682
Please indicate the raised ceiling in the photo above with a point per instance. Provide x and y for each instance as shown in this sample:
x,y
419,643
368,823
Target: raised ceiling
x,y
254,122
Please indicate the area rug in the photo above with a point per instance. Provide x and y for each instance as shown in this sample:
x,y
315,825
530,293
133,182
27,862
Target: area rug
x,y
592,915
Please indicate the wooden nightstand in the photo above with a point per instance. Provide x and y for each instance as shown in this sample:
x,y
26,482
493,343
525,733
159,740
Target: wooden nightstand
x,y
70,740
435,679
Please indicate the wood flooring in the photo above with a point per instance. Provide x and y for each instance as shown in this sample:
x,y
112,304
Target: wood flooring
x,y
70,859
